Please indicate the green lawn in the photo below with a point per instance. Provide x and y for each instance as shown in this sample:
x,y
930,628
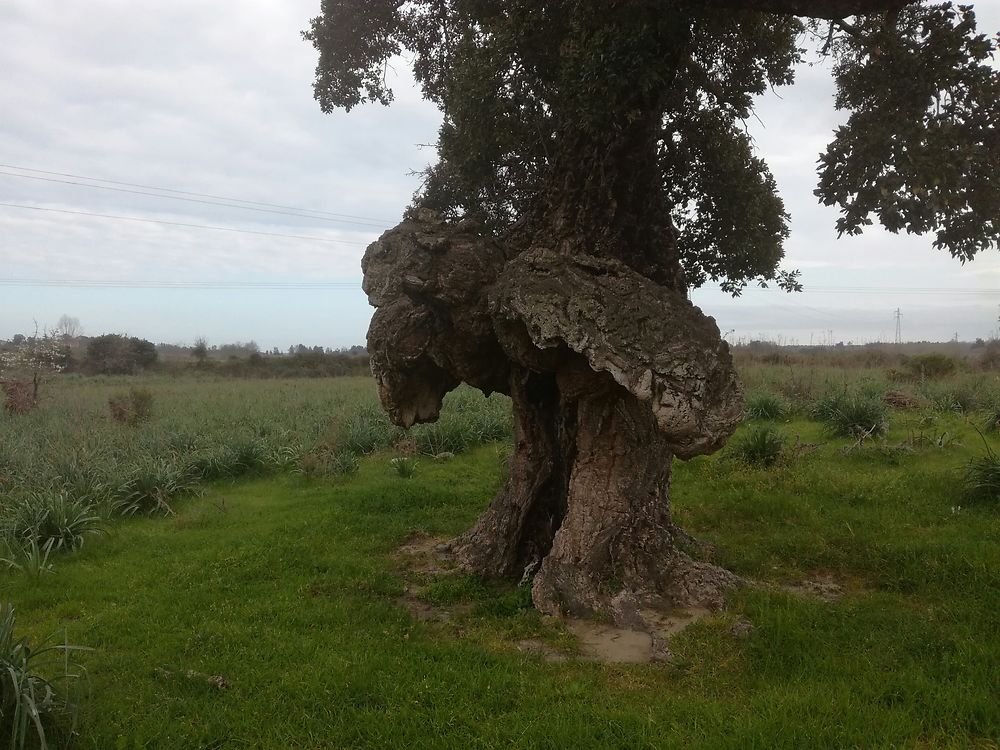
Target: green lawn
x,y
288,589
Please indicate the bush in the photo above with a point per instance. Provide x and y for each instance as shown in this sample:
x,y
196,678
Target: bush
x,y
30,704
759,446
765,406
19,396
851,414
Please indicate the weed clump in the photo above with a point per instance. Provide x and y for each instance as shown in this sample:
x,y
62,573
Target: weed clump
x,y
759,446
851,414
765,406
404,466
51,520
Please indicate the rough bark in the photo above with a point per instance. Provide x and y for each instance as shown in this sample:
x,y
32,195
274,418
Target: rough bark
x,y
515,533
610,375
615,553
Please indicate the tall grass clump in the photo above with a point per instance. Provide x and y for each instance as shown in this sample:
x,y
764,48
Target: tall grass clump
x,y
955,396
759,446
51,520
32,704
850,414
763,405
981,482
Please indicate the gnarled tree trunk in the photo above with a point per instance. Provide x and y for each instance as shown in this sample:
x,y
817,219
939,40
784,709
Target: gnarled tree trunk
x,y
580,314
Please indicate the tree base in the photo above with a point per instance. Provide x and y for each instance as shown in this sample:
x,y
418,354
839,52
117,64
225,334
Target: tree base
x,y
585,512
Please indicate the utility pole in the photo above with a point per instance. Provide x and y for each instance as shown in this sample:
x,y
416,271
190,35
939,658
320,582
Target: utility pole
x,y
899,326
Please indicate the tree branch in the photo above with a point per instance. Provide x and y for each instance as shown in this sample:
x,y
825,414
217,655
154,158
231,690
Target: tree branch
x,y
828,9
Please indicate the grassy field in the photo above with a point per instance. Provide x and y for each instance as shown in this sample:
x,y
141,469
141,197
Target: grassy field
x,y
285,585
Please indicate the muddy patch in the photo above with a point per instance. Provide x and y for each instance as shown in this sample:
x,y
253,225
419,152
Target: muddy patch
x,y
607,643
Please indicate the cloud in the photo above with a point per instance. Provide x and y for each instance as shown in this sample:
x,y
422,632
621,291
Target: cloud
x,y
216,98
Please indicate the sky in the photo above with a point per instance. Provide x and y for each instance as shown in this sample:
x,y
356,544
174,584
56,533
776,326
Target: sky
x,y
164,111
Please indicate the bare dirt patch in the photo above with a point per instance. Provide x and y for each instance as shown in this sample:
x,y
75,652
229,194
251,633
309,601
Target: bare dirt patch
x,y
426,556
607,643
822,587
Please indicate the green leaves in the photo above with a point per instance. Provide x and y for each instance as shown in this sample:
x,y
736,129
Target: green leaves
x,y
920,152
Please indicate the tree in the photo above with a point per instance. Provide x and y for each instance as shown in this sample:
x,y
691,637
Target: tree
x,y
24,367
592,169
116,354
68,327
200,351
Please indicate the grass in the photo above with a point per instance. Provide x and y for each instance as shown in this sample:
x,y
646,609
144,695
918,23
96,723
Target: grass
x,y
758,446
285,586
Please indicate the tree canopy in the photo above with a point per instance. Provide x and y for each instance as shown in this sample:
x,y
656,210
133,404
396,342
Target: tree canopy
x,y
517,80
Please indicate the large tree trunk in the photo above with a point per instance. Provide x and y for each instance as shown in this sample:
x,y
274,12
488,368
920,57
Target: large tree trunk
x,y
580,314
615,552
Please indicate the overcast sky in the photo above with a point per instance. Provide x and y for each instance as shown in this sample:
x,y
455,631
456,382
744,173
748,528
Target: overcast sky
x,y
215,99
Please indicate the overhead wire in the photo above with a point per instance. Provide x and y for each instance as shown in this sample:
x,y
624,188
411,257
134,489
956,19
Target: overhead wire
x,y
300,215
186,225
198,195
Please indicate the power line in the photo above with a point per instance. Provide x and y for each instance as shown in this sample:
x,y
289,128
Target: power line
x,y
124,284
380,222
182,224
195,200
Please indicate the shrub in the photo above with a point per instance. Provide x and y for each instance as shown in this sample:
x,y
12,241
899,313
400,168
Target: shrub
x,y
765,406
759,446
851,414
31,704
133,408
19,396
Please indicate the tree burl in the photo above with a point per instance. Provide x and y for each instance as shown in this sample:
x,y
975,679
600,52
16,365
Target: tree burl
x,y
593,168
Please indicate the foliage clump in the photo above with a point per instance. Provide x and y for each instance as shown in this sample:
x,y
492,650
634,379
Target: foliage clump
x,y
851,413
762,405
760,446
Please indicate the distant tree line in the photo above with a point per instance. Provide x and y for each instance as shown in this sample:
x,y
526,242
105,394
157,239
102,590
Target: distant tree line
x,y
120,354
